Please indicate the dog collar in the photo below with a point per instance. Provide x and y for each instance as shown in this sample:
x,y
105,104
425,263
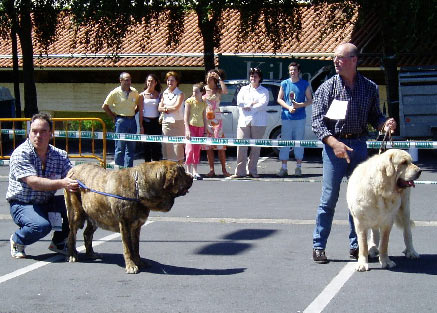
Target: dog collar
x,y
83,186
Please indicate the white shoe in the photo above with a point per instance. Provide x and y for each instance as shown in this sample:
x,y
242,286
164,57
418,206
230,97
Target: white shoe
x,y
197,177
283,172
60,248
17,250
298,171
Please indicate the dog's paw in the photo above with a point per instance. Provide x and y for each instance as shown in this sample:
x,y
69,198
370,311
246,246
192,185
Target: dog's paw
x,y
72,258
386,263
373,252
411,253
362,266
132,269
93,256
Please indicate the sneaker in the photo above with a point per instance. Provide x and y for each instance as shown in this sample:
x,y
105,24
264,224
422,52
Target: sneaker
x,y
17,250
60,248
197,177
234,176
298,171
319,256
353,253
283,172
254,175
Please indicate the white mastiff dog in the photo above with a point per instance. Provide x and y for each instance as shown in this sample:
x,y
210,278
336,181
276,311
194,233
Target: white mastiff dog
x,y
378,195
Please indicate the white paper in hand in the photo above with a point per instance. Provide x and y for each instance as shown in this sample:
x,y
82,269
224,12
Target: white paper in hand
x,y
337,110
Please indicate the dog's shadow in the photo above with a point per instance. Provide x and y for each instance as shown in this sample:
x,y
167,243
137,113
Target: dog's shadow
x,y
154,267
423,265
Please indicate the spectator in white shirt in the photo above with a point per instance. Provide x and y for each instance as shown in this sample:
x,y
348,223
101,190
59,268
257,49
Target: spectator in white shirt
x,y
252,101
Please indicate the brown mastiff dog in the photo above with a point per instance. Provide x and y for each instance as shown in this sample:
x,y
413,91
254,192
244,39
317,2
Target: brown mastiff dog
x,y
148,186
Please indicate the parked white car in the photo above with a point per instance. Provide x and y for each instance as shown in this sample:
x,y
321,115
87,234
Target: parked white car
x,y
229,109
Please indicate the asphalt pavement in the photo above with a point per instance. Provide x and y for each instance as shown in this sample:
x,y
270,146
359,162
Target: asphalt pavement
x,y
232,246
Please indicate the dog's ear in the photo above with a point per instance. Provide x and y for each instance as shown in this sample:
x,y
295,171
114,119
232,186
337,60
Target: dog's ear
x,y
387,164
170,176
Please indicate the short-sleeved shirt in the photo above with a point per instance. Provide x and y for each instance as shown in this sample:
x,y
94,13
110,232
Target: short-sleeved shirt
x,y
196,111
362,107
25,162
122,103
298,89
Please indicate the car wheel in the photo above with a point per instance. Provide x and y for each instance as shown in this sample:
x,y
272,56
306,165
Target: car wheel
x,y
276,134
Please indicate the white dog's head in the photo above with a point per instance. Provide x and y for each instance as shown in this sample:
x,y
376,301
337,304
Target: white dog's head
x,y
399,167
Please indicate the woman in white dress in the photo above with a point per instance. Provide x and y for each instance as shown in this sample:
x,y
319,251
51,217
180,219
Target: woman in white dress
x,y
172,105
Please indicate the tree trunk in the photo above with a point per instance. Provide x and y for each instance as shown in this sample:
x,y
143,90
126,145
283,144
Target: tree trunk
x,y
389,62
392,82
25,33
208,54
15,73
207,30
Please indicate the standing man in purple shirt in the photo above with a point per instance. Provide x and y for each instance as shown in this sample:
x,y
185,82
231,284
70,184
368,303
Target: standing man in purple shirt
x,y
342,108
37,170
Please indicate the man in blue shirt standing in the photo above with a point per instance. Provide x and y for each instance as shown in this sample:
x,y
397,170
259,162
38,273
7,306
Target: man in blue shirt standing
x,y
342,108
294,95
37,170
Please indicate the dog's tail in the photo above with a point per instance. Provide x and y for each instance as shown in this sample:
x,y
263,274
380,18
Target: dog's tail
x,y
401,221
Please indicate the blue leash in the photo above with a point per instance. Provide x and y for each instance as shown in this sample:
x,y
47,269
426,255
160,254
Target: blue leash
x,y
83,186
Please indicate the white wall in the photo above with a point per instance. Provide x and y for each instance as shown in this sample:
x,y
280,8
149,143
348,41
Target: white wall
x,y
77,97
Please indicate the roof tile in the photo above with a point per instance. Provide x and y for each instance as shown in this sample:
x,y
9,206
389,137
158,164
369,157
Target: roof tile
x,y
143,40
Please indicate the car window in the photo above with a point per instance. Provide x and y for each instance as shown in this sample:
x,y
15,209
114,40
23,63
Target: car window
x,y
273,94
227,99
231,97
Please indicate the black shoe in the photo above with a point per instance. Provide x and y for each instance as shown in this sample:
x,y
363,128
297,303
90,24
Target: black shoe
x,y
353,253
319,256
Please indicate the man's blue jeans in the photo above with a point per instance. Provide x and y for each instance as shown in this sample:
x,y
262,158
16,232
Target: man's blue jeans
x,y
334,170
292,130
125,150
34,222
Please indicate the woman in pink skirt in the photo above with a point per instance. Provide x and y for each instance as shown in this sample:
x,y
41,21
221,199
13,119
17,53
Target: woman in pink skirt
x,y
195,120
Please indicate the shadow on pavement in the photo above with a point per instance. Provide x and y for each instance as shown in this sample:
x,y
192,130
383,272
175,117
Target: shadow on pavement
x,y
158,268
426,264
250,234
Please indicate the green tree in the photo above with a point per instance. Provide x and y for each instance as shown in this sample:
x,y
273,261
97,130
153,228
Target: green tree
x,y
21,17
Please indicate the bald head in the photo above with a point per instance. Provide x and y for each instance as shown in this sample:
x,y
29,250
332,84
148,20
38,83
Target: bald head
x,y
345,61
348,48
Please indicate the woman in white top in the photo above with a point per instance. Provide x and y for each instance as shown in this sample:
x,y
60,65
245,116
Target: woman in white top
x,y
172,104
252,101
148,102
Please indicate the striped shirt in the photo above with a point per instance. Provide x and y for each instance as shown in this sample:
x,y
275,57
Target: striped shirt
x,y
25,162
362,107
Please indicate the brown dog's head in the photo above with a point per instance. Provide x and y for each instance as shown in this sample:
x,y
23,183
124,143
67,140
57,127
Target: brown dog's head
x,y
161,182
177,180
398,165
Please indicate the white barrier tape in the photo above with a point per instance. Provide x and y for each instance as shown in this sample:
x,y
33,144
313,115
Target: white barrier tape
x,y
225,141
294,180
109,166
